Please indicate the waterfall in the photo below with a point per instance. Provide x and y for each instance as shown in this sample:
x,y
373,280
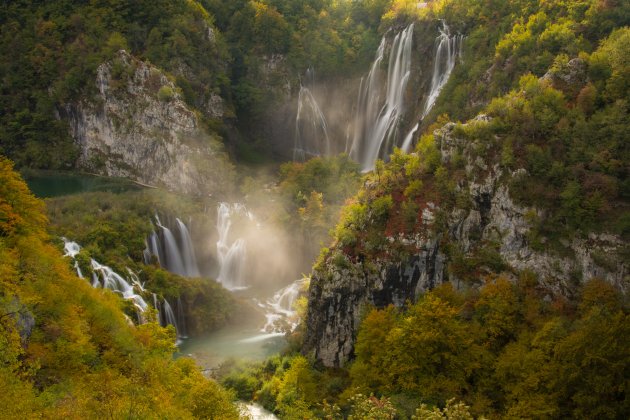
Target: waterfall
x,y
376,120
156,305
231,256
95,281
153,249
311,129
76,267
169,316
280,308
113,281
283,300
188,251
449,48
173,261
104,276
380,106
71,249
173,249
406,145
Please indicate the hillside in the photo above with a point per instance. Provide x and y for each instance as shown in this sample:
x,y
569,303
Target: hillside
x,y
461,167
522,186
67,349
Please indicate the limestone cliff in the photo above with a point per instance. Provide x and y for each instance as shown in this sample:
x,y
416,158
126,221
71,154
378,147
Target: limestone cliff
x,y
344,285
137,126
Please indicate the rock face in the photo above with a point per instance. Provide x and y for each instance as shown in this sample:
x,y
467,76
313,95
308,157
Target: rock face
x,y
338,298
137,127
340,293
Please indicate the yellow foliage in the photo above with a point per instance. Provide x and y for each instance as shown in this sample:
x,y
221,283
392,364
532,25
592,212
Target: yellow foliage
x,y
67,350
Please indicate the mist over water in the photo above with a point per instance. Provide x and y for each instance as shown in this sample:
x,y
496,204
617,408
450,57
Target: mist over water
x,y
256,258
259,262
231,256
311,128
369,127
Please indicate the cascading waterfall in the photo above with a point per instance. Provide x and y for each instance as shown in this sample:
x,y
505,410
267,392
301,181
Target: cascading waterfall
x,y
173,261
104,276
188,250
406,145
449,49
231,256
153,249
76,267
280,308
169,316
113,281
176,253
279,312
71,249
96,283
311,128
376,122
374,130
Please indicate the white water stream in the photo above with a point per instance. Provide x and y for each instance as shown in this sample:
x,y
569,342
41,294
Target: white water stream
x,y
374,129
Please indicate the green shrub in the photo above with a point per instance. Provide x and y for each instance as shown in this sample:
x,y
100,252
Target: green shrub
x,y
166,93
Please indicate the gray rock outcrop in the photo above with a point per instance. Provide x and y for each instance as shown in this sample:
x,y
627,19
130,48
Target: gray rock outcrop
x,y
343,289
137,126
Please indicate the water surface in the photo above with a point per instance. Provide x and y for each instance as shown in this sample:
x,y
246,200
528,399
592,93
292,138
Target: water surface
x,y
48,184
237,342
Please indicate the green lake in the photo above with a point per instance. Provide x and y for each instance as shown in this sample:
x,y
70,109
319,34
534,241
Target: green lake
x,y
47,184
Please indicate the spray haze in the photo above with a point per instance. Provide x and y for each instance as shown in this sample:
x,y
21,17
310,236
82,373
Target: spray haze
x,y
368,118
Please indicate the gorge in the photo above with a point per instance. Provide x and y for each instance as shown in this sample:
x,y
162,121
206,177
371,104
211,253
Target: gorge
x,y
293,209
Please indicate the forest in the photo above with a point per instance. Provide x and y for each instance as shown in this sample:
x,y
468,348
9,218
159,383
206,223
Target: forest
x,y
260,265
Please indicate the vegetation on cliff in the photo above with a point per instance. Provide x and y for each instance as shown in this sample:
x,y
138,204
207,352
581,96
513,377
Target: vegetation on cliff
x,y
559,144
537,109
502,350
208,48
51,52
112,229
67,349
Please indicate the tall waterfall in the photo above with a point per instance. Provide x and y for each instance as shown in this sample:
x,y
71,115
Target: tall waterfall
x,y
153,249
449,48
187,250
376,119
173,249
173,258
311,128
373,131
231,256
